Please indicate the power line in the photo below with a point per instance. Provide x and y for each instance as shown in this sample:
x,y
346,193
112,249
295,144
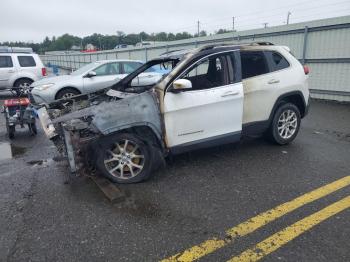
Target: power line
x,y
279,16
277,8
288,15
246,17
198,28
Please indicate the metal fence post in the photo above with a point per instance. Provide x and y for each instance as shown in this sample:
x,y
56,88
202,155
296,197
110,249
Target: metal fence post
x,y
306,31
146,55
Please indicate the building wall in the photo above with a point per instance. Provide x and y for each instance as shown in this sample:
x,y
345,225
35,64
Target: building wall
x,y
324,45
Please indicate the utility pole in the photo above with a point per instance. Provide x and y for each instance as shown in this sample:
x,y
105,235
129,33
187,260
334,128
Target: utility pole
x,y
198,28
288,15
233,23
265,25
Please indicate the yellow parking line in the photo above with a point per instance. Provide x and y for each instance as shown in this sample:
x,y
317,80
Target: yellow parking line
x,y
282,237
256,222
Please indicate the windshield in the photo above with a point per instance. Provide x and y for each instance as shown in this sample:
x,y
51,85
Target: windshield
x,y
147,75
85,68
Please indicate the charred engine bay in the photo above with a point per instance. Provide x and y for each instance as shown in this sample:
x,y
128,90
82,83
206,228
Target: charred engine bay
x,y
80,121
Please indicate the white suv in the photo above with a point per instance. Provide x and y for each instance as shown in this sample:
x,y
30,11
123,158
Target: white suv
x,y
19,67
213,95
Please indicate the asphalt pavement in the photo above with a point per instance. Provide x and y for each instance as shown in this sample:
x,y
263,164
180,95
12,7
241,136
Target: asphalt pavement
x,y
195,199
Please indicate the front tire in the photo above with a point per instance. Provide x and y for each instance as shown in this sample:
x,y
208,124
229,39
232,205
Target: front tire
x,y
124,158
285,124
67,93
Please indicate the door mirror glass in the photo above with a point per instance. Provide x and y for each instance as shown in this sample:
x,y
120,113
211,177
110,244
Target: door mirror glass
x,y
91,74
181,84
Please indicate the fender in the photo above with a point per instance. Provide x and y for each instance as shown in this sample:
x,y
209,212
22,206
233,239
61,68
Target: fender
x,y
259,127
134,111
289,97
16,78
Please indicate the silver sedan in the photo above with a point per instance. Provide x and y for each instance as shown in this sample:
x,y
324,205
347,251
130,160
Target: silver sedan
x,y
90,78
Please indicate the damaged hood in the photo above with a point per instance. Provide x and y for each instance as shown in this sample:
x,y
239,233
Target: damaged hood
x,y
114,115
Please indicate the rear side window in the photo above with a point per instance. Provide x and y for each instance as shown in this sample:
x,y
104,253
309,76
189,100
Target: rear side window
x,y
253,64
5,61
26,61
278,62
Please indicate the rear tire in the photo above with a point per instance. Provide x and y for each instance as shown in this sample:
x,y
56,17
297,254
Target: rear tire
x,y
285,124
67,93
23,86
124,158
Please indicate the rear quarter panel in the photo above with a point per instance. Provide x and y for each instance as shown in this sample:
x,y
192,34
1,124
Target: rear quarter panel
x,y
260,97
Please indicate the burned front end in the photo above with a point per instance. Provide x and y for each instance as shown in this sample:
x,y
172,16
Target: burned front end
x,y
76,126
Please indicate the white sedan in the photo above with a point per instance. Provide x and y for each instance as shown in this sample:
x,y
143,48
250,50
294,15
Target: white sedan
x,y
90,78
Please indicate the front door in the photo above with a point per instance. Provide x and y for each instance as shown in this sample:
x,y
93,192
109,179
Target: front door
x,y
209,113
106,75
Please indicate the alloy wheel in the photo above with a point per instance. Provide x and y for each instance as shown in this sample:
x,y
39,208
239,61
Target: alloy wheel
x,y
287,124
124,160
24,87
68,95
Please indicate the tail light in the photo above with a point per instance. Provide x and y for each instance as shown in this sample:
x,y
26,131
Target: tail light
x,y
306,70
43,71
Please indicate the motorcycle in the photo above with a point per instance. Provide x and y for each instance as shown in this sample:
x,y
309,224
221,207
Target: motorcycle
x,y
18,111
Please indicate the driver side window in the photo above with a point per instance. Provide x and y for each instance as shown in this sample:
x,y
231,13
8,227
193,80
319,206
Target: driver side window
x,y
102,70
208,73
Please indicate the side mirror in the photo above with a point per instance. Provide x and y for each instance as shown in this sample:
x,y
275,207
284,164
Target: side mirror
x,y
91,74
181,84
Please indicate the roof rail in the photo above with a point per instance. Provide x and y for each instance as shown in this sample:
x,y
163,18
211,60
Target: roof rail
x,y
262,43
211,46
169,52
7,49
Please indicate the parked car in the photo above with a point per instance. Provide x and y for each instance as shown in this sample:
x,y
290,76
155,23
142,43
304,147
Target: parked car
x,y
19,68
89,78
213,95
121,46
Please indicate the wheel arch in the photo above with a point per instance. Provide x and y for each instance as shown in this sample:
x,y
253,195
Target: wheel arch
x,y
295,97
146,131
22,78
66,87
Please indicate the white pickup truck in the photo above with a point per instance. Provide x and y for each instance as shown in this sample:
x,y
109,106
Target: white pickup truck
x,y
211,96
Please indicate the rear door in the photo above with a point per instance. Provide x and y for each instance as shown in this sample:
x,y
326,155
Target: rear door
x,y
209,113
6,70
261,80
28,66
106,75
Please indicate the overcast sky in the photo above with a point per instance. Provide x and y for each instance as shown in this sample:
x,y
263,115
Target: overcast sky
x,y
32,20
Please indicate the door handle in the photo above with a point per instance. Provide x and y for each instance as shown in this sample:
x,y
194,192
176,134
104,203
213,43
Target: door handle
x,y
230,93
273,81
11,71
